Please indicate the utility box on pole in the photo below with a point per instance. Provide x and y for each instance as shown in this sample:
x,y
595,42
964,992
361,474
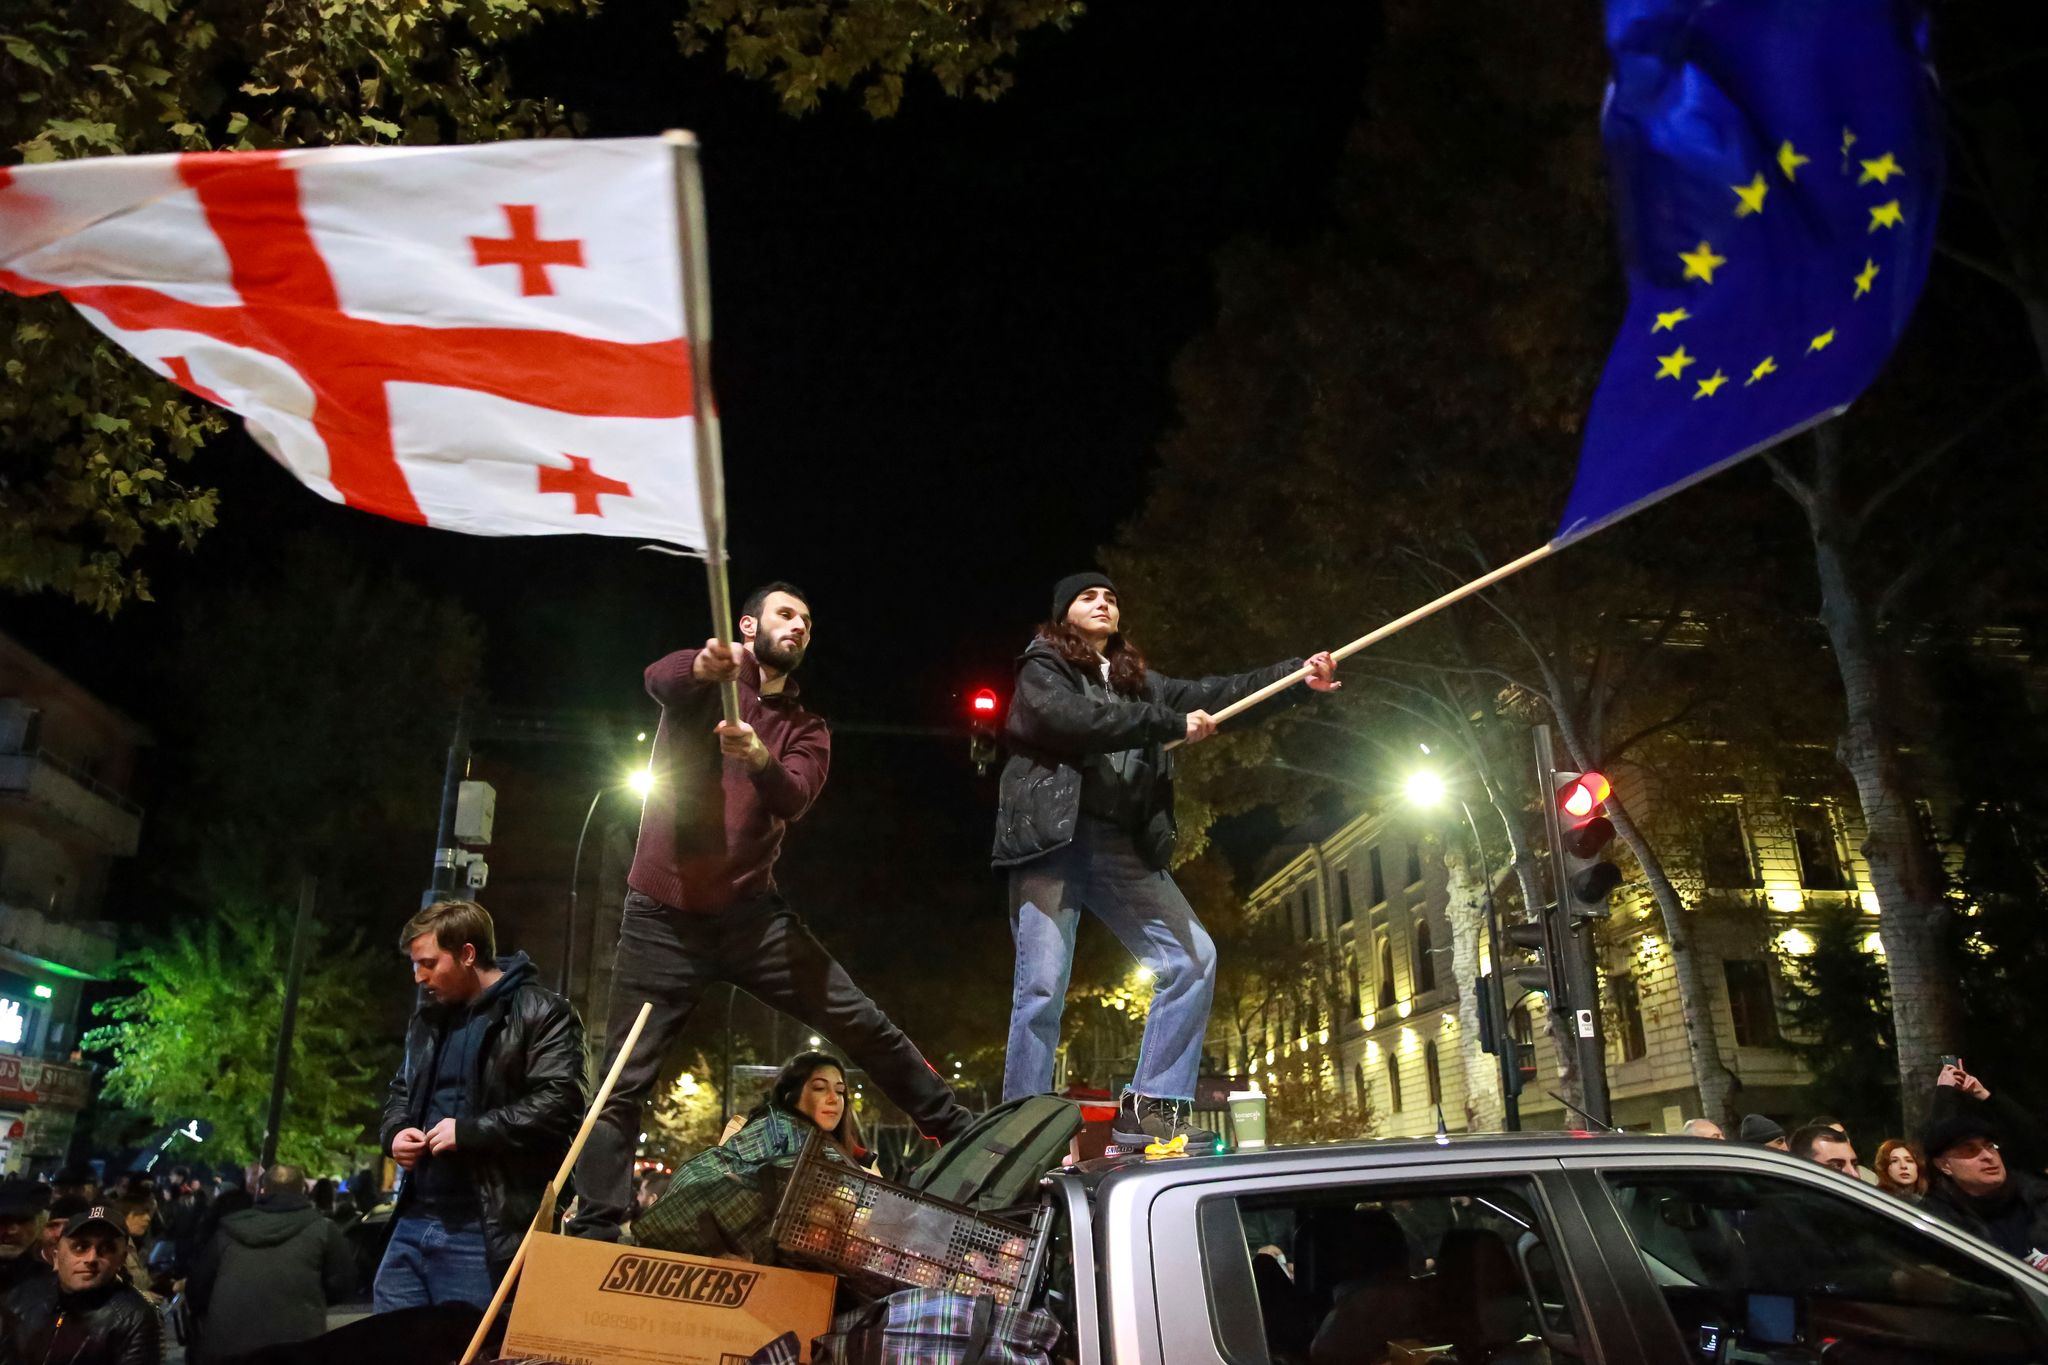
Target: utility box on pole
x,y
476,810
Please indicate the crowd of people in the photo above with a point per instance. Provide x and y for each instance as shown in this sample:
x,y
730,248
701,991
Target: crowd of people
x,y
1956,1170
92,1272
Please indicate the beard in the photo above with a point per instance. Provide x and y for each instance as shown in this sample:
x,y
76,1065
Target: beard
x,y
779,655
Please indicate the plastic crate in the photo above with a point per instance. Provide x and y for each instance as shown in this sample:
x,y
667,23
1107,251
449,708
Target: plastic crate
x,y
881,1237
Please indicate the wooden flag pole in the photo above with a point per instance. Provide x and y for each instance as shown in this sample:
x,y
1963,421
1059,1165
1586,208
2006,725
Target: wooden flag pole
x,y
545,1214
1393,627
696,266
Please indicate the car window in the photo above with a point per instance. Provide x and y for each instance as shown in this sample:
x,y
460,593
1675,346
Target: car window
x,y
1395,1274
1784,1272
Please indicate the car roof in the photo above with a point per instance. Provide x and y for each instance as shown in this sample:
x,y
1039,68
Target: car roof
x,y
1366,1154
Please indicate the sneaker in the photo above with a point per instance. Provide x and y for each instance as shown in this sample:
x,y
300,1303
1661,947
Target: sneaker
x,y
1142,1120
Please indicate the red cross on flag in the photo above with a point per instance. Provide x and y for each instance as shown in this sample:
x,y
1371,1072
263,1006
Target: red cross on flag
x,y
484,338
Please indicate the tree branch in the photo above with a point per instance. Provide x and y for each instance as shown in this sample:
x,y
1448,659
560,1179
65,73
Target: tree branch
x,y
1916,467
1782,475
2003,278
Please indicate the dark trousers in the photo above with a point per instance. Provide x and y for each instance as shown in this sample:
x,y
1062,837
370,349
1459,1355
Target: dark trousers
x,y
669,956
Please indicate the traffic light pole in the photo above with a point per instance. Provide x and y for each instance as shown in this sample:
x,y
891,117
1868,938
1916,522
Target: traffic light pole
x,y
1572,941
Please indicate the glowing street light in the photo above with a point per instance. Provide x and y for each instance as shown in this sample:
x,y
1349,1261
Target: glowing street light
x,y
1425,789
640,781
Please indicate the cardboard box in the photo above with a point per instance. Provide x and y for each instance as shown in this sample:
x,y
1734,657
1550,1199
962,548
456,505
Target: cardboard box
x,y
599,1303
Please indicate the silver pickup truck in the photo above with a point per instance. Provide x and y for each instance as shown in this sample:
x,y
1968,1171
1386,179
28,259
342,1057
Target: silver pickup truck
x,y
1532,1248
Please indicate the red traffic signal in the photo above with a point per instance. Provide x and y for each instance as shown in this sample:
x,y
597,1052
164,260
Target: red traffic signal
x,y
1584,833
984,703
1582,794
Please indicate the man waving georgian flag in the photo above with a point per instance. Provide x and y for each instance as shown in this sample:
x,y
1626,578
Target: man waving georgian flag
x,y
485,338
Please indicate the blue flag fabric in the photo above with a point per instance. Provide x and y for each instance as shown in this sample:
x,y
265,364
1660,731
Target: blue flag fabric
x,y
1776,168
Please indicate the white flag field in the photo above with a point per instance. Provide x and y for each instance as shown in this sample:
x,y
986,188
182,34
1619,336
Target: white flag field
x,y
487,339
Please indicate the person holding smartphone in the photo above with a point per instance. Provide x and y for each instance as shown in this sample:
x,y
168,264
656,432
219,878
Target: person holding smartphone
x,y
1971,1183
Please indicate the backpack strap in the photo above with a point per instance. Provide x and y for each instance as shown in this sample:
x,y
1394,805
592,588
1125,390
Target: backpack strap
x,y
981,1327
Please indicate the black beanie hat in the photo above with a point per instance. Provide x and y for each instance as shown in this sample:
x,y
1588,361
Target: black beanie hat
x,y
1757,1128
1945,1134
1072,586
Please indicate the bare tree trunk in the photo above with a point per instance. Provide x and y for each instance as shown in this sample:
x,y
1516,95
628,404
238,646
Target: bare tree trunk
x,y
1464,910
1695,1003
1912,915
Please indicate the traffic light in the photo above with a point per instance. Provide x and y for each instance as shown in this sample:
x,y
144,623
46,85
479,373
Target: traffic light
x,y
1584,832
1497,1036
984,711
1534,939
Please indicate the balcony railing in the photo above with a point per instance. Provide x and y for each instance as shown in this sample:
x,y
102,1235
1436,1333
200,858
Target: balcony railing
x,y
69,791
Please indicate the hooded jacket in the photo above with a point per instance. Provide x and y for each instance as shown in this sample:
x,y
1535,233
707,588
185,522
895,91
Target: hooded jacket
x,y
1070,737
111,1325
268,1275
526,1098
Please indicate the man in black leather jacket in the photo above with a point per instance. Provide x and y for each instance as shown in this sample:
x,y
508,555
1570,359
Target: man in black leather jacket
x,y
481,1113
83,1314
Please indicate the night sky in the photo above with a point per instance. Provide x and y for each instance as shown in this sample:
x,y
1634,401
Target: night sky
x,y
944,345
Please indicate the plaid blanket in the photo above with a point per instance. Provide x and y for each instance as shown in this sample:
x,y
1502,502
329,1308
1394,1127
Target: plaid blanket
x,y
934,1327
721,1202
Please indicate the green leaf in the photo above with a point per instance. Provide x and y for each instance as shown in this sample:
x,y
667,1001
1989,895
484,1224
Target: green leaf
x,y
25,52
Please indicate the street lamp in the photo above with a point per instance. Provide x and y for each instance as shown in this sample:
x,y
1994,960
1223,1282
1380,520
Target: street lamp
x,y
1427,790
640,782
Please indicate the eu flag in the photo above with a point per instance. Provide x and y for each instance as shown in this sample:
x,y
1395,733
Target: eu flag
x,y
1776,168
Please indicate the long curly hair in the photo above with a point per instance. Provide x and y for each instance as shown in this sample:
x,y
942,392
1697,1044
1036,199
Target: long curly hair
x,y
1884,1161
786,1093
1126,661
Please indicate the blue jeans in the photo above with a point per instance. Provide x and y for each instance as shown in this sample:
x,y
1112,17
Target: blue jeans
x,y
429,1261
1102,872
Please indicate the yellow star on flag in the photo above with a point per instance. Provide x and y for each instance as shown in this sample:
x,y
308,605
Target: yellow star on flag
x,y
1751,195
1673,366
1789,160
1666,321
1821,342
1701,262
1710,385
1763,367
1867,278
1848,141
1886,216
1880,170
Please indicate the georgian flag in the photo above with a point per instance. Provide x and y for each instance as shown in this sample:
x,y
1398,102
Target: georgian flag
x,y
481,338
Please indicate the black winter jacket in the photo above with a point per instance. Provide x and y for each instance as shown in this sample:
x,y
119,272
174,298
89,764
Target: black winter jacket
x,y
528,1094
2016,1219
111,1325
1064,727
268,1275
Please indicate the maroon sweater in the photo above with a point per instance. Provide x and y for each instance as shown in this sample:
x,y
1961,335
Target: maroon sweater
x,y
686,866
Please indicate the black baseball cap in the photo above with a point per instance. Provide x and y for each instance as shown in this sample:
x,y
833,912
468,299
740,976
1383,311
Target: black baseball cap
x,y
97,1215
